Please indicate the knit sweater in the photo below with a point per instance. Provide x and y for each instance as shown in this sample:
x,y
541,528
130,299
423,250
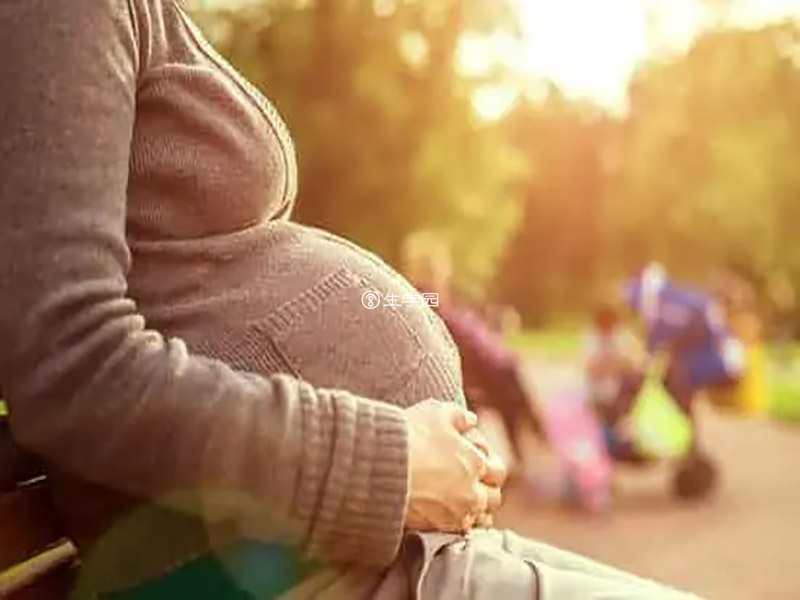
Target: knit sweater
x,y
167,335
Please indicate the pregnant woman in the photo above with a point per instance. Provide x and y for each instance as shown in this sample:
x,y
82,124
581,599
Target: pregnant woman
x,y
170,343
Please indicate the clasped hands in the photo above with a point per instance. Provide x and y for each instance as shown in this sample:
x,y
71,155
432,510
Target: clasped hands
x,y
455,476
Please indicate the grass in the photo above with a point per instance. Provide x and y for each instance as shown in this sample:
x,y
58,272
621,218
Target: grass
x,y
785,386
562,343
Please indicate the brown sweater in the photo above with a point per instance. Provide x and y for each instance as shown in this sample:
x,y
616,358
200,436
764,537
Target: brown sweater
x,y
166,333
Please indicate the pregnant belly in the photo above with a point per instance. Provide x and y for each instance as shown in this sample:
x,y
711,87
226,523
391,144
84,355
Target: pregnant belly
x,y
284,298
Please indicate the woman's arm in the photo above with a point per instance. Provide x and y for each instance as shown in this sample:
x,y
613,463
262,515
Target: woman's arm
x,y
95,391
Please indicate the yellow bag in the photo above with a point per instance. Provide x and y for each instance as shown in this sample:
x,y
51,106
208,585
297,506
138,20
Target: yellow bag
x,y
749,395
752,397
751,392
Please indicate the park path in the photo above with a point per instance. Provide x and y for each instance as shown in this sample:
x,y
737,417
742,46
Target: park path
x,y
744,543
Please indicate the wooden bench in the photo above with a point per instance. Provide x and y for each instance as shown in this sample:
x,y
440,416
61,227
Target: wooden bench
x,y
37,562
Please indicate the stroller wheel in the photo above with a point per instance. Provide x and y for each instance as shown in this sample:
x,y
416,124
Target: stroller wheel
x,y
695,478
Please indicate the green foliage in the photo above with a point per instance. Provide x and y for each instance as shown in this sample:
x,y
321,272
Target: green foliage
x,y
701,172
550,265
707,156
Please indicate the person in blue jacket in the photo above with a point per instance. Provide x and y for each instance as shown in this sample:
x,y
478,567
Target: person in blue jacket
x,y
688,327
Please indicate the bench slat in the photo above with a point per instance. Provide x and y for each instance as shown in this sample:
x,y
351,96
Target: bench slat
x,y
49,575
55,585
27,524
36,562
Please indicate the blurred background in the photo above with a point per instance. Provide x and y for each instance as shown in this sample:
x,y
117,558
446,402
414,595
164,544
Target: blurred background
x,y
553,146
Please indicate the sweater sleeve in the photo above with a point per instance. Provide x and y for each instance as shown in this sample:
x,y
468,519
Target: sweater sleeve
x,y
95,391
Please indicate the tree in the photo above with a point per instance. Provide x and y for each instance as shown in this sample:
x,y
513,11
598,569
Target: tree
x,y
707,157
550,266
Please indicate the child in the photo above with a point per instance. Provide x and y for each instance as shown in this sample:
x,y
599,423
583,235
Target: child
x,y
614,363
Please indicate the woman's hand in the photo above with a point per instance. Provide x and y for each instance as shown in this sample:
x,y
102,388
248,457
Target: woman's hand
x,y
494,477
496,471
453,481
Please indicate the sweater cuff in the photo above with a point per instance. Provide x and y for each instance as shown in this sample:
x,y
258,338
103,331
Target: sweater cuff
x,y
364,495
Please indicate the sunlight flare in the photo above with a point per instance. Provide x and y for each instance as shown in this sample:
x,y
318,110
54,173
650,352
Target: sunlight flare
x,y
590,48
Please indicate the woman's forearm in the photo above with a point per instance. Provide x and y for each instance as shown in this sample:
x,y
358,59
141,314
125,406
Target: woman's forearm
x,y
89,386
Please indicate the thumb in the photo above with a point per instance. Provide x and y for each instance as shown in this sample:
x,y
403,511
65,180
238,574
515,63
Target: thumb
x,y
462,420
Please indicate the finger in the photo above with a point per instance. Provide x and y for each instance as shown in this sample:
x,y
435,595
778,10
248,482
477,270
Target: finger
x,y
481,498
496,472
486,521
462,420
474,459
496,469
479,440
467,523
494,499
476,507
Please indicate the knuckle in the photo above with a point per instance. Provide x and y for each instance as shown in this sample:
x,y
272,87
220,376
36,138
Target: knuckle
x,y
480,497
476,461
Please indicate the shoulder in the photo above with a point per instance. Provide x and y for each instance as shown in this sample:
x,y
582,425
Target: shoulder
x,y
95,40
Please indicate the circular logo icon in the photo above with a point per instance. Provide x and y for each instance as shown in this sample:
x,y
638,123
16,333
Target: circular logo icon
x,y
370,299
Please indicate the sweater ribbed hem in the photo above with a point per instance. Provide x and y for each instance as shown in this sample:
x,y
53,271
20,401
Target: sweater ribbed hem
x,y
363,500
